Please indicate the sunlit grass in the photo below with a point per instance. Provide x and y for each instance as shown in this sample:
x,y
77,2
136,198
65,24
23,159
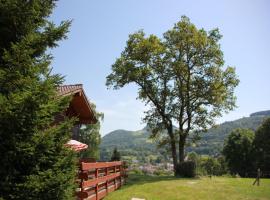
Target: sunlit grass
x,y
170,188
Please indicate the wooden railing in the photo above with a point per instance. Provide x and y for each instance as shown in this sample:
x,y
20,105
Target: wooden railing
x,y
97,179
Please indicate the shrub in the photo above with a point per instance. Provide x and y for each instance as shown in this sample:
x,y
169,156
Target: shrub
x,y
158,172
186,169
137,171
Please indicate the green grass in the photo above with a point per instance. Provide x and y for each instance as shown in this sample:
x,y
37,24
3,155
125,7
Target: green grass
x,y
170,188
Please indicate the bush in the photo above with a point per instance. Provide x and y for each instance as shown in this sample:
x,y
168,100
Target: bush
x,y
186,169
162,172
212,166
137,171
158,172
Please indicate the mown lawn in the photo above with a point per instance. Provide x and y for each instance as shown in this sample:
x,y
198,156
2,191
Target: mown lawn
x,y
170,188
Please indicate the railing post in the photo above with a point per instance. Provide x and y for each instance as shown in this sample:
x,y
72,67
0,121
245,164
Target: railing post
x,y
120,170
96,188
114,180
81,181
106,174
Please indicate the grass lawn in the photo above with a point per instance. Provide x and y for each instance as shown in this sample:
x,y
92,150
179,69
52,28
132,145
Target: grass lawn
x,y
170,188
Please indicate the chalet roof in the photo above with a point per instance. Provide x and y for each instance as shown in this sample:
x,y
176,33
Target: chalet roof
x,y
79,105
64,90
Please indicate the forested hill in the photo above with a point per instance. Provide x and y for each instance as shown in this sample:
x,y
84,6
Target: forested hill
x,y
212,141
132,144
136,145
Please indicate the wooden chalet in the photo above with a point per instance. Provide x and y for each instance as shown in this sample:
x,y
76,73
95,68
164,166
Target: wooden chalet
x,y
79,107
97,179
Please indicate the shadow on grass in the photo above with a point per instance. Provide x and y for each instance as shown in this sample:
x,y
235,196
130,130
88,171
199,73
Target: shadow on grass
x,y
135,179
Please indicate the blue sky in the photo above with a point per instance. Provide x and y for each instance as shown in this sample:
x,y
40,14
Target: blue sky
x,y
100,29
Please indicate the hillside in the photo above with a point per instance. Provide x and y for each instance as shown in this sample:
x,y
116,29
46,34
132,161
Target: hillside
x,y
212,141
135,145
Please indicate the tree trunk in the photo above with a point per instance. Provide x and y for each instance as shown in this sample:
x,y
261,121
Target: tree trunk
x,y
181,149
174,157
173,149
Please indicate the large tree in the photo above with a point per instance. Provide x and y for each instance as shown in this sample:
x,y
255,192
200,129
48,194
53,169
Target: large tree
x,y
35,164
238,152
262,146
182,79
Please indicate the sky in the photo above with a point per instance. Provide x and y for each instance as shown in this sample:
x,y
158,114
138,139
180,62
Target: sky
x,y
100,29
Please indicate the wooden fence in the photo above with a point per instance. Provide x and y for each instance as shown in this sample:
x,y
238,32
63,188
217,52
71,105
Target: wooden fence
x,y
97,179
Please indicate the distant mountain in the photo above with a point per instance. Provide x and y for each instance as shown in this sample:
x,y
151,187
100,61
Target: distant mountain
x,y
136,145
261,113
